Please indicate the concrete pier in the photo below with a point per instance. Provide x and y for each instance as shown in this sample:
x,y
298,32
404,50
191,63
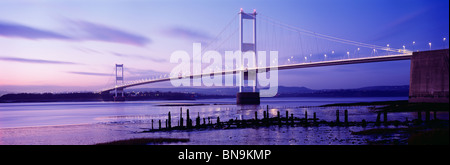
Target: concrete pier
x,y
429,77
247,98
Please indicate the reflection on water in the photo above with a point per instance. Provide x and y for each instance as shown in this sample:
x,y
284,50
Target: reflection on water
x,y
96,122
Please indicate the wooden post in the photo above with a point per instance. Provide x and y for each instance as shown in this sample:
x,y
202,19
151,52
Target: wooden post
x,y
306,116
152,123
169,122
256,115
204,121
385,119
264,115
378,118
209,120
346,117
337,116
159,123
181,117
314,117
188,124
363,123
279,117
218,120
419,116
267,113
287,117
427,116
197,121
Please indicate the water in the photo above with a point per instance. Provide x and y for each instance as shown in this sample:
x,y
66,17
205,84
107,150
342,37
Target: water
x,y
64,113
95,122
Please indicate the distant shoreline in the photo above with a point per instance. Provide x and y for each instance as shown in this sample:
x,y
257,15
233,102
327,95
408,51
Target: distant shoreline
x,y
181,99
93,97
202,93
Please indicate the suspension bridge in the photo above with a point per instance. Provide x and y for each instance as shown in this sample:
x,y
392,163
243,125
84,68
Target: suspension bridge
x,y
297,48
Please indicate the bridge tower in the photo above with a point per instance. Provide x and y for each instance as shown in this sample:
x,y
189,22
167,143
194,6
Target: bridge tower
x,y
247,45
119,81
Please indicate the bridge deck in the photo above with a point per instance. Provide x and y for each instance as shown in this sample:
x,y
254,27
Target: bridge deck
x,y
281,67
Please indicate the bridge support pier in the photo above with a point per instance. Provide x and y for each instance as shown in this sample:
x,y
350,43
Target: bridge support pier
x,y
119,98
429,77
119,95
247,98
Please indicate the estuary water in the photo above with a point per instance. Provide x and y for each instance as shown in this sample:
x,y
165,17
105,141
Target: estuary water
x,y
98,122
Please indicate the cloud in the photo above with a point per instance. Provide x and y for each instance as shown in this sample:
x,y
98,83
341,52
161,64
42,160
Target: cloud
x,y
90,73
22,31
143,72
186,33
84,31
87,50
38,61
97,32
137,74
138,57
44,88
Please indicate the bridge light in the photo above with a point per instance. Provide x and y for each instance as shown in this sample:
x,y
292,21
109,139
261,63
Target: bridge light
x,y
430,45
444,42
387,49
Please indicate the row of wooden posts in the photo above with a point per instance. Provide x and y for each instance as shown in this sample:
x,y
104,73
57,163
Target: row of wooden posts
x,y
266,120
188,121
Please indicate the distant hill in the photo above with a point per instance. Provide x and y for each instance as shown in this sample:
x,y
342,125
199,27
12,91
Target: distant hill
x,y
373,91
204,93
386,88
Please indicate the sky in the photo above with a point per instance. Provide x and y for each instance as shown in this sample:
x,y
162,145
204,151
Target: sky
x,y
73,45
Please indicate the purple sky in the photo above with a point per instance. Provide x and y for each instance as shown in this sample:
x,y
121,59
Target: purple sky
x,y
72,45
